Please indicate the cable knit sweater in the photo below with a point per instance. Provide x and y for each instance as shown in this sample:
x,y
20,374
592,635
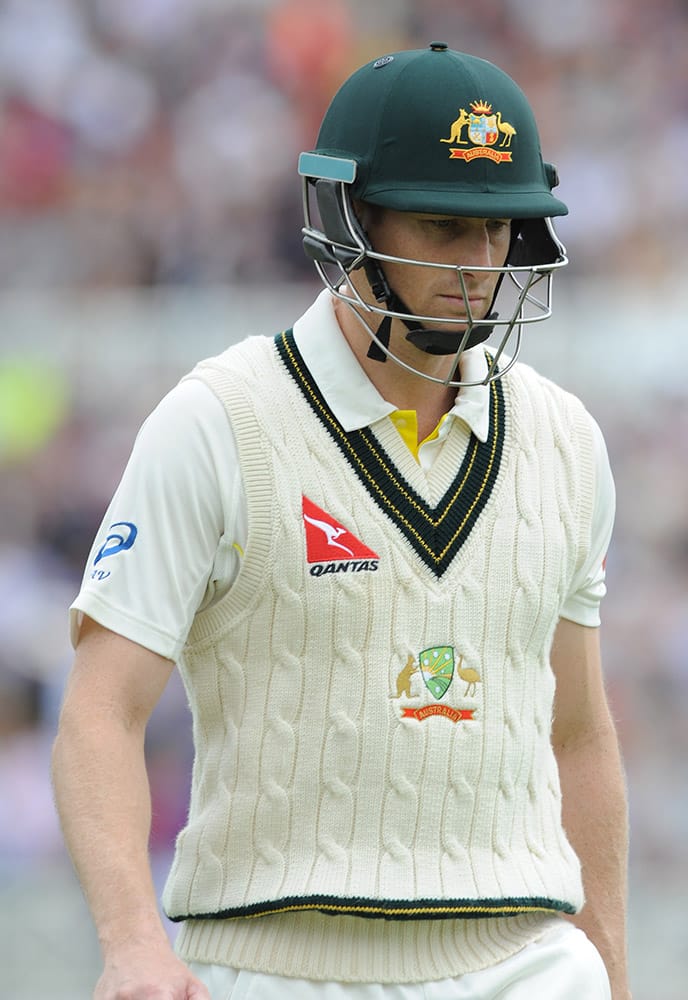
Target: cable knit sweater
x,y
372,699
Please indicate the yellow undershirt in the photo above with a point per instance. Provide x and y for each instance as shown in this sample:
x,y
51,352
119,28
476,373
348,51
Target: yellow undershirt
x,y
406,422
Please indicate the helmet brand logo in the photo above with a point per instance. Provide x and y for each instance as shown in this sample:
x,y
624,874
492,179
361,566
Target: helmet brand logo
x,y
483,129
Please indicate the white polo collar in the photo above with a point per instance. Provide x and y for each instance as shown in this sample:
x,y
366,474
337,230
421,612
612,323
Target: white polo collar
x,y
348,391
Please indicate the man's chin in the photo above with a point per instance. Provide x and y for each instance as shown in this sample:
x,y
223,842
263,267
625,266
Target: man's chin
x,y
445,325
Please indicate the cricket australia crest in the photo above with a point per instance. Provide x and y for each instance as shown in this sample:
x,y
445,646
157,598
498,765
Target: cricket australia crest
x,y
483,127
435,668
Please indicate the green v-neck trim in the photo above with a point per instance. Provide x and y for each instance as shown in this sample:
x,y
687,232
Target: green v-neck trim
x,y
438,532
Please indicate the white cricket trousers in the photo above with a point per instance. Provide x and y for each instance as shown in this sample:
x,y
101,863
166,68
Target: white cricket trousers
x,y
561,965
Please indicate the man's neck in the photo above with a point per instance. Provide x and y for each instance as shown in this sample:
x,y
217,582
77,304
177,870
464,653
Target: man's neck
x,y
405,390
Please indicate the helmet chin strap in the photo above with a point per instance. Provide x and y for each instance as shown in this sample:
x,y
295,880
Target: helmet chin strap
x,y
438,342
445,342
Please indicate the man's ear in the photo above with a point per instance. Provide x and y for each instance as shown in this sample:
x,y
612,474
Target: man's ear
x,y
367,214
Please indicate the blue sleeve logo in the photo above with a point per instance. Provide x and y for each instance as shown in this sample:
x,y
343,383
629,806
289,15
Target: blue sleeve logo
x,y
117,541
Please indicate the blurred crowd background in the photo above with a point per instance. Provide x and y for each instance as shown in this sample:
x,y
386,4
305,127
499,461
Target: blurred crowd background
x,y
150,215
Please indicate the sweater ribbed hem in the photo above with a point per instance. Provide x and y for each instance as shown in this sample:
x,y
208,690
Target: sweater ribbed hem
x,y
348,949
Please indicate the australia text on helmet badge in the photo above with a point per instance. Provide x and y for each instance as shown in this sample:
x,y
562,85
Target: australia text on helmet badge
x,y
483,132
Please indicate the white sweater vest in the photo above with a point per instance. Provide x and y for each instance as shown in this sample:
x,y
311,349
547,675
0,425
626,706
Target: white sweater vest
x,y
372,700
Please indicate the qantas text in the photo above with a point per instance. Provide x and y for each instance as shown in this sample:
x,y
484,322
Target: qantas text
x,y
346,566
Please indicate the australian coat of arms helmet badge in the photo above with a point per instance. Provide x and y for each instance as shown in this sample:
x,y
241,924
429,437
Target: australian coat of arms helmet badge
x,y
483,128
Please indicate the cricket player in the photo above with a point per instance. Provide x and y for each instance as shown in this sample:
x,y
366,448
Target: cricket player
x,y
374,547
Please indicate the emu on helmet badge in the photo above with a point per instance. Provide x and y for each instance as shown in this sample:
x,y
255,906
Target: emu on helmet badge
x,y
484,127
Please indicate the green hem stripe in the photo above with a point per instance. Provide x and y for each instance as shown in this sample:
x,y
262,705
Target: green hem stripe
x,y
394,909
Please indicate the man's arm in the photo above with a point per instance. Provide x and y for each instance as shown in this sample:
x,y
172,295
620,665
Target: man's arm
x,y
594,793
103,798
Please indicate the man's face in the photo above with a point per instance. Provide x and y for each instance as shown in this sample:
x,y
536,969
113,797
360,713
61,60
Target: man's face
x,y
441,239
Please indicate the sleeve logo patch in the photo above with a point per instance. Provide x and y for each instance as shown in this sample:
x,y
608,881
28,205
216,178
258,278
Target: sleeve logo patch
x,y
117,541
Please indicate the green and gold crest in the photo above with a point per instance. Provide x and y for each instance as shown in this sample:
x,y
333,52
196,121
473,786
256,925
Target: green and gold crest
x,y
437,667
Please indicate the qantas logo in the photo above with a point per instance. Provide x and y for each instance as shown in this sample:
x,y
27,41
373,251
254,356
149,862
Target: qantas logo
x,y
330,547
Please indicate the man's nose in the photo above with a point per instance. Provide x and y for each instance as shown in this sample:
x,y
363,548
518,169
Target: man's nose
x,y
478,251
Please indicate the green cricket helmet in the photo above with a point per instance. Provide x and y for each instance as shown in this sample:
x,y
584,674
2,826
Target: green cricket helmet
x,y
439,132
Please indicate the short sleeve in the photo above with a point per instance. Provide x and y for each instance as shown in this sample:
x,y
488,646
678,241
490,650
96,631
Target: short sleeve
x,y
173,531
589,587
